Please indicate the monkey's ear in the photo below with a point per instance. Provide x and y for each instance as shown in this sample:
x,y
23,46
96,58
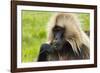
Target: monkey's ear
x,y
85,52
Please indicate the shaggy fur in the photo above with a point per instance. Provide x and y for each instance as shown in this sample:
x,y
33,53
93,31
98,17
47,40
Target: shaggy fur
x,y
73,33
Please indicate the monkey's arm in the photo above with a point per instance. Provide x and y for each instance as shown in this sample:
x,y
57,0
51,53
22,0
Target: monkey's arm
x,y
43,52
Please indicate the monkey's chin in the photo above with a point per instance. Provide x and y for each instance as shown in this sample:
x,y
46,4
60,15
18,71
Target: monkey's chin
x,y
57,46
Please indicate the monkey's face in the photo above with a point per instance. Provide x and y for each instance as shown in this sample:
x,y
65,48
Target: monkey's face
x,y
58,36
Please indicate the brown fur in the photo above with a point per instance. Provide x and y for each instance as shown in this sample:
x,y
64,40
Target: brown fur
x,y
73,34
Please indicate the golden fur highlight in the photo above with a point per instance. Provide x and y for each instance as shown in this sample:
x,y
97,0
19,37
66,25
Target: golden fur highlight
x,y
73,33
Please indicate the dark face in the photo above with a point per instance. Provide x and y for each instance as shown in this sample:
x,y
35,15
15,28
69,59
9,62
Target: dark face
x,y
58,36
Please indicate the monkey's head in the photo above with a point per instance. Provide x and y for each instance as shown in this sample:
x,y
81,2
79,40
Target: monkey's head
x,y
58,34
64,27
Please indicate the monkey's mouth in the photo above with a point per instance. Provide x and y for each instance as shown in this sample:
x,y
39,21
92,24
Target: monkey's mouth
x,y
58,44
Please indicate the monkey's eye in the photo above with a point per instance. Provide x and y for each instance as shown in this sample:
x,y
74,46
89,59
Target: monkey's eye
x,y
57,28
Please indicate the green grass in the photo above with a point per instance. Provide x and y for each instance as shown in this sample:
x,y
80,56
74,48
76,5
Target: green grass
x,y
34,32
85,21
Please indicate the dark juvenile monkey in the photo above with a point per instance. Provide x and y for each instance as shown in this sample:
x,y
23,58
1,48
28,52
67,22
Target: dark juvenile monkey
x,y
66,40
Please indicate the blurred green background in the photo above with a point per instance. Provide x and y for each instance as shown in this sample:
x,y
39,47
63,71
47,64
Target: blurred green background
x,y
34,31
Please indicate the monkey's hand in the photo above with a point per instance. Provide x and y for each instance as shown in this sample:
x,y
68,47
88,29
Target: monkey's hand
x,y
56,46
47,48
43,52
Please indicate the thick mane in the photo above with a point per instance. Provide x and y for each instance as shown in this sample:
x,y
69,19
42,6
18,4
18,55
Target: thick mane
x,y
73,32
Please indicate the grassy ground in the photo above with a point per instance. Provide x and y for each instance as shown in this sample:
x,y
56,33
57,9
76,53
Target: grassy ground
x,y
34,32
